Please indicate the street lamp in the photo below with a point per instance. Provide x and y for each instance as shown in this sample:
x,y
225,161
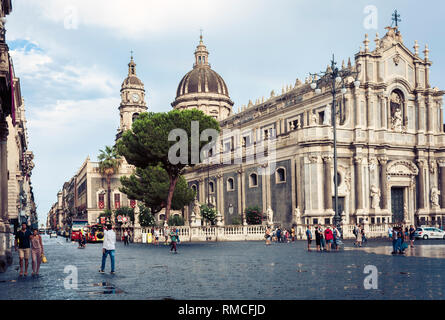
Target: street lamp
x,y
335,79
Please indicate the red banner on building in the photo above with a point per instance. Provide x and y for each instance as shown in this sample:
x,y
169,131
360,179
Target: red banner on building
x,y
133,203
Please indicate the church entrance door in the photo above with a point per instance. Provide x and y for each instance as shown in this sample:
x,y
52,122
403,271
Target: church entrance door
x,y
397,204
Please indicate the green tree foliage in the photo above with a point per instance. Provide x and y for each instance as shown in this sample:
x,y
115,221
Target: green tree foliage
x,y
147,144
208,213
125,212
254,215
109,164
176,221
236,220
146,218
150,185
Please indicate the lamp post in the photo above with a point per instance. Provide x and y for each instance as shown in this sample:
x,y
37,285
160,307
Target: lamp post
x,y
335,79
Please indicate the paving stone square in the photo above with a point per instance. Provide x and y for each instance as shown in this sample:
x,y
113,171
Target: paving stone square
x,y
232,270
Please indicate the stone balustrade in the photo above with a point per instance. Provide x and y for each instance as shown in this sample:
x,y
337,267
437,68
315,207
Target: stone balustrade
x,y
256,233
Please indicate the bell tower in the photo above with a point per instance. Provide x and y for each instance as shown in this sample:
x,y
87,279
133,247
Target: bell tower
x,y
132,99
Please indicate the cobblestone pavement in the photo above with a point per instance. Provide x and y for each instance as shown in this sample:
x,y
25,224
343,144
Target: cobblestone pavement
x,y
238,270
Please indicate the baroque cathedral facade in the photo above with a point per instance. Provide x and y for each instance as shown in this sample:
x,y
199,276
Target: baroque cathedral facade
x,y
390,145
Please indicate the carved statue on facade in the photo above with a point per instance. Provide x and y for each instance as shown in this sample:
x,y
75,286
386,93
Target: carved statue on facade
x,y
327,115
375,195
296,215
314,118
197,209
435,197
397,120
269,214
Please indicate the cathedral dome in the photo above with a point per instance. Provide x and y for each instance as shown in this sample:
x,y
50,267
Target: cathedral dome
x,y
132,80
202,79
203,89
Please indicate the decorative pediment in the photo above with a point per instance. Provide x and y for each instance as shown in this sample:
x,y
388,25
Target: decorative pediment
x,y
402,168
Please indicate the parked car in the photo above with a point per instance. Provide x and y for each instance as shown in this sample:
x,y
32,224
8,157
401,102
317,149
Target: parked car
x,y
426,233
53,234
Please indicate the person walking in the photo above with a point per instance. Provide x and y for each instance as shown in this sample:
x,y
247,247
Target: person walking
x,y
166,232
174,239
401,240
125,237
359,236
23,245
318,238
267,236
322,239
293,233
355,232
394,241
274,234
412,230
279,235
156,236
364,239
309,238
329,236
36,252
177,236
109,247
337,237
390,230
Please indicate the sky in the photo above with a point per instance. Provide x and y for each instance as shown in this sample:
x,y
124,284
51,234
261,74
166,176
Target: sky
x,y
72,56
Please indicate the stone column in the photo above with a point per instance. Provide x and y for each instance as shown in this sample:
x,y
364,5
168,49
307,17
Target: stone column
x,y
442,182
383,123
422,165
327,183
359,182
384,182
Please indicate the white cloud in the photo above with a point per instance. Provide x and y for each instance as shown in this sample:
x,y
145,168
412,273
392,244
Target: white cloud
x,y
67,117
38,66
29,62
136,18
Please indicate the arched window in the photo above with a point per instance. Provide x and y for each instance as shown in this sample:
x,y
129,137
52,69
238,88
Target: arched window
x,y
230,184
135,116
194,188
211,187
280,175
253,180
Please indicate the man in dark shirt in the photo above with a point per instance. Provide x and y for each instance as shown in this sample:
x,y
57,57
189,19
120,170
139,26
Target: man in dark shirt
x,y
23,242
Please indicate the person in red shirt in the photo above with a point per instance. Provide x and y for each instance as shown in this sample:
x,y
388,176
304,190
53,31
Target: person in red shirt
x,y
329,236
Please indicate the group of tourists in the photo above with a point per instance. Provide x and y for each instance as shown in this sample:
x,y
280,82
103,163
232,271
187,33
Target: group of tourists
x,y
279,235
126,237
172,235
29,244
400,237
360,236
326,239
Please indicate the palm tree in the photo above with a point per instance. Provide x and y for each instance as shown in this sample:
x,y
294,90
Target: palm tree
x,y
109,163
